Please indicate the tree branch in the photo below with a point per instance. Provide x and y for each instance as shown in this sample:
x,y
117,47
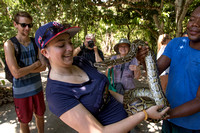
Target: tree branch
x,y
182,16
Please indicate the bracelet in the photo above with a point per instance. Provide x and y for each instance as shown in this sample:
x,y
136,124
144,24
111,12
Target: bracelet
x,y
146,115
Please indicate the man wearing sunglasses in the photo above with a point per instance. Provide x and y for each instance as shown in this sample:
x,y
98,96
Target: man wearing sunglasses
x,y
27,86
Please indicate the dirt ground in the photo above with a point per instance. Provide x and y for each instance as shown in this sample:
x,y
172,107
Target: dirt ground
x,y
9,123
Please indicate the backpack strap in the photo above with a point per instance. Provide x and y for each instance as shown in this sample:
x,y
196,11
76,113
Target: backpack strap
x,y
112,72
35,47
111,83
109,78
16,44
111,75
17,48
122,68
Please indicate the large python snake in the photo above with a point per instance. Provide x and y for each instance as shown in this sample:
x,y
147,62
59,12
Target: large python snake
x,y
140,99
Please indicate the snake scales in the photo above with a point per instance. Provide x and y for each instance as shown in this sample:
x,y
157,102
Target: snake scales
x,y
139,99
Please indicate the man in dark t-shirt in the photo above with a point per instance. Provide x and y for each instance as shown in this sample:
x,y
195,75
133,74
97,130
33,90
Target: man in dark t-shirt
x,y
89,50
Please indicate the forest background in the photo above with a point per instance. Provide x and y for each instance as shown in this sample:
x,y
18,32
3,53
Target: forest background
x,y
109,20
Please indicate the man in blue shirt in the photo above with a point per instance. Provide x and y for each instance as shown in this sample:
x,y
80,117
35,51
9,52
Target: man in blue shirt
x,y
183,89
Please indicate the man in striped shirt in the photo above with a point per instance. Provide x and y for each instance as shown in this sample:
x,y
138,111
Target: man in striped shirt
x,y
27,87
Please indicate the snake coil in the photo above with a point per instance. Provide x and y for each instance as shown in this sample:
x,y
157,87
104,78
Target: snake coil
x,y
139,99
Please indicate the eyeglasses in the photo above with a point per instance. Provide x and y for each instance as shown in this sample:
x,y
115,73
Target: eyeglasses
x,y
123,46
23,25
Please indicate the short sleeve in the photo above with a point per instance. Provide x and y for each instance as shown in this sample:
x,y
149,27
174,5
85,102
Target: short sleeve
x,y
168,50
59,101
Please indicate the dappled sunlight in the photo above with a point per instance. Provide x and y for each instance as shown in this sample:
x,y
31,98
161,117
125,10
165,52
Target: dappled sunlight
x,y
8,127
4,113
32,125
150,127
44,75
8,119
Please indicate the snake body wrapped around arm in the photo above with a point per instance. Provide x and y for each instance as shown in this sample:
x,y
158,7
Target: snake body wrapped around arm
x,y
140,99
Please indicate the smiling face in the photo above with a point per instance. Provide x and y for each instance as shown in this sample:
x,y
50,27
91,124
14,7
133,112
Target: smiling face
x,y
123,49
193,26
59,51
24,31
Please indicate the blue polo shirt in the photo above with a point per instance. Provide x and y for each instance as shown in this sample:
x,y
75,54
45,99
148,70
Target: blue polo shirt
x,y
184,79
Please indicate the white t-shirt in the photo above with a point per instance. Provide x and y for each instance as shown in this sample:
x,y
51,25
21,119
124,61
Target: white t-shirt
x,y
162,49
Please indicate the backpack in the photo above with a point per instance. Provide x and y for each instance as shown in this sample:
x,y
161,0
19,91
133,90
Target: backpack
x,y
16,44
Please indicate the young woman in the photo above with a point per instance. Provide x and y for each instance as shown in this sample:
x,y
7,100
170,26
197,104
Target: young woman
x,y
163,40
76,92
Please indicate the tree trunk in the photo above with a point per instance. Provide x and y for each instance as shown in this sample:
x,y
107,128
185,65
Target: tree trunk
x,y
181,8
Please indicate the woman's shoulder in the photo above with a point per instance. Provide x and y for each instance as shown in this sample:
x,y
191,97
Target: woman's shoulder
x,y
59,87
51,83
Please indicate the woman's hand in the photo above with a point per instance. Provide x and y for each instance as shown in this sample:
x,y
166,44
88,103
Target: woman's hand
x,y
136,70
153,112
133,67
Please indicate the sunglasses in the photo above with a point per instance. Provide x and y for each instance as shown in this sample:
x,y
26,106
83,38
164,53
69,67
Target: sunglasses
x,y
23,25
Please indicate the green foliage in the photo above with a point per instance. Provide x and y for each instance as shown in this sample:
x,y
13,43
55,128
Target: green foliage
x,y
2,82
109,21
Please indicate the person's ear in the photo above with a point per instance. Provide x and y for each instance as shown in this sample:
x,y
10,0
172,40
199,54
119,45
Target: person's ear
x,y
45,53
15,24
